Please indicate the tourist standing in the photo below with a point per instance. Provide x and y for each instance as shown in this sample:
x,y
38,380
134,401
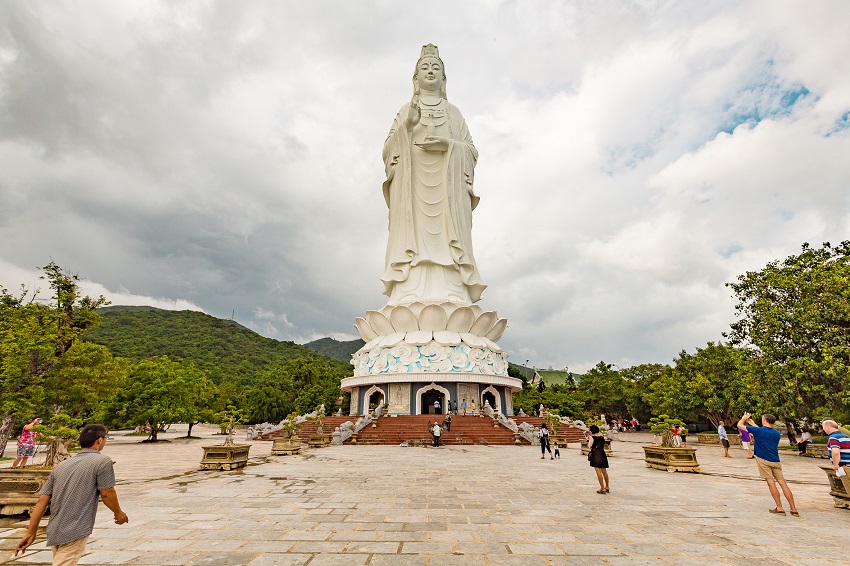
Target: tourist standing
x,y
448,422
474,410
598,458
746,442
437,410
805,439
838,448
454,407
724,439
766,441
683,432
72,492
438,432
463,407
26,444
543,435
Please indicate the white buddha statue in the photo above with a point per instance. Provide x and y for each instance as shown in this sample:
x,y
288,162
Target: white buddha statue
x,y
430,163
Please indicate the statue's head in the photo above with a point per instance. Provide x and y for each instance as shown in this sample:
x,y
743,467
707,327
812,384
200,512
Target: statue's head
x,y
430,70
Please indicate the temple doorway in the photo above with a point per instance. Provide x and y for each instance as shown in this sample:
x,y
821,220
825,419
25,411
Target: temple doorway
x,y
488,397
375,399
428,399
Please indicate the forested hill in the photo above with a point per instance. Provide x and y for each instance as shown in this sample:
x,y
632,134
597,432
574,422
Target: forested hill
x,y
224,349
335,349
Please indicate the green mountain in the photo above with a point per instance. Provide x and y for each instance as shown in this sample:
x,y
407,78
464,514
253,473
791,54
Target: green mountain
x,y
224,349
335,349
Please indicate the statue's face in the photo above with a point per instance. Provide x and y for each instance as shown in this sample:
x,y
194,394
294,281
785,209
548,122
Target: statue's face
x,y
430,73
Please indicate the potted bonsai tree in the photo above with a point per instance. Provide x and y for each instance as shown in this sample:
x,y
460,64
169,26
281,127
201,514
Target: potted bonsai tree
x,y
288,443
319,439
666,456
227,456
19,487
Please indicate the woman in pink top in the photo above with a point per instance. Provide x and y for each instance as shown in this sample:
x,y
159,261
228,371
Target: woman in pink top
x,y
26,444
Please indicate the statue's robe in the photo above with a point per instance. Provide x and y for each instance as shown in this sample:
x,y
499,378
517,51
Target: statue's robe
x,y
430,198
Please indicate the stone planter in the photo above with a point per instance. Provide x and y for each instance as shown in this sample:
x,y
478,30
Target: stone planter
x,y
671,459
837,488
286,446
220,457
561,440
712,438
19,489
585,450
816,451
318,441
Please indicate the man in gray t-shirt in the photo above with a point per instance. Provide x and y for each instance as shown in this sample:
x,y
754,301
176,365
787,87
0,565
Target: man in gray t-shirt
x,y
72,492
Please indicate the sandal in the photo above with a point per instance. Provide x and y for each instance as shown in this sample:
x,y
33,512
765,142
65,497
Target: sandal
x,y
776,511
602,491
795,513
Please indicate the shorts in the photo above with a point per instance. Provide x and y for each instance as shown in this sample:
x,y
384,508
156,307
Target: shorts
x,y
770,470
26,450
724,442
745,445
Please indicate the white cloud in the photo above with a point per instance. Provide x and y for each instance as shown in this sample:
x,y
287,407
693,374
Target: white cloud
x,y
633,158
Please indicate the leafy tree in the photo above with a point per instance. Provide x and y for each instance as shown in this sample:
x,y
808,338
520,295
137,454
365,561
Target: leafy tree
x,y
269,400
86,376
34,336
638,380
795,315
602,390
161,391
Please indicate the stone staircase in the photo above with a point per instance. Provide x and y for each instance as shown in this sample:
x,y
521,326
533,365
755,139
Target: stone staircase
x,y
413,429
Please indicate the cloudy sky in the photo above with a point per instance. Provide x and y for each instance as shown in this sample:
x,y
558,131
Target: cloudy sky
x,y
226,157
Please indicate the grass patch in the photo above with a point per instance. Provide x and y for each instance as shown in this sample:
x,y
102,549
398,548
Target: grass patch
x,y
138,434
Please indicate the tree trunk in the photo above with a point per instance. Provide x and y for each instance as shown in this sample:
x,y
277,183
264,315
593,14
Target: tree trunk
x,y
791,430
7,425
154,431
188,434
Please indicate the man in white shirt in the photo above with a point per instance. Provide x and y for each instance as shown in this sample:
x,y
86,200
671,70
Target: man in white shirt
x,y
724,439
437,431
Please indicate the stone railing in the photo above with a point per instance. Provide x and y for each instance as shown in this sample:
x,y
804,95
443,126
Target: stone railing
x,y
268,428
348,429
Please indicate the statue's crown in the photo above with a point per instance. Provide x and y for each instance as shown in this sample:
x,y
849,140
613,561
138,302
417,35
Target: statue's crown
x,y
430,50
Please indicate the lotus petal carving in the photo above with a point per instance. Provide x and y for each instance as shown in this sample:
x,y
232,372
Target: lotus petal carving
x,y
447,338
379,323
491,345
461,320
393,339
432,317
364,329
472,340
483,323
403,320
418,337
498,329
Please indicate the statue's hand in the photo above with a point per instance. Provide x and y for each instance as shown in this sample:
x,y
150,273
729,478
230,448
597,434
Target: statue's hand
x,y
414,114
434,143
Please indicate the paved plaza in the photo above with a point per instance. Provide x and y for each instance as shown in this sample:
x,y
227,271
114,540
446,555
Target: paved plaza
x,y
496,505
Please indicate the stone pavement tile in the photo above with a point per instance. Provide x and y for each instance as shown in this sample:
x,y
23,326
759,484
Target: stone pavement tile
x,y
645,549
426,527
457,560
39,557
268,546
440,536
166,545
404,537
704,561
458,526
221,559
591,550
108,557
761,561
357,547
398,560
381,527
639,560
305,535
690,550
164,558
563,538
575,561
427,547
535,548
508,560
480,548
365,536
216,545
339,560
111,544
312,546
280,560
